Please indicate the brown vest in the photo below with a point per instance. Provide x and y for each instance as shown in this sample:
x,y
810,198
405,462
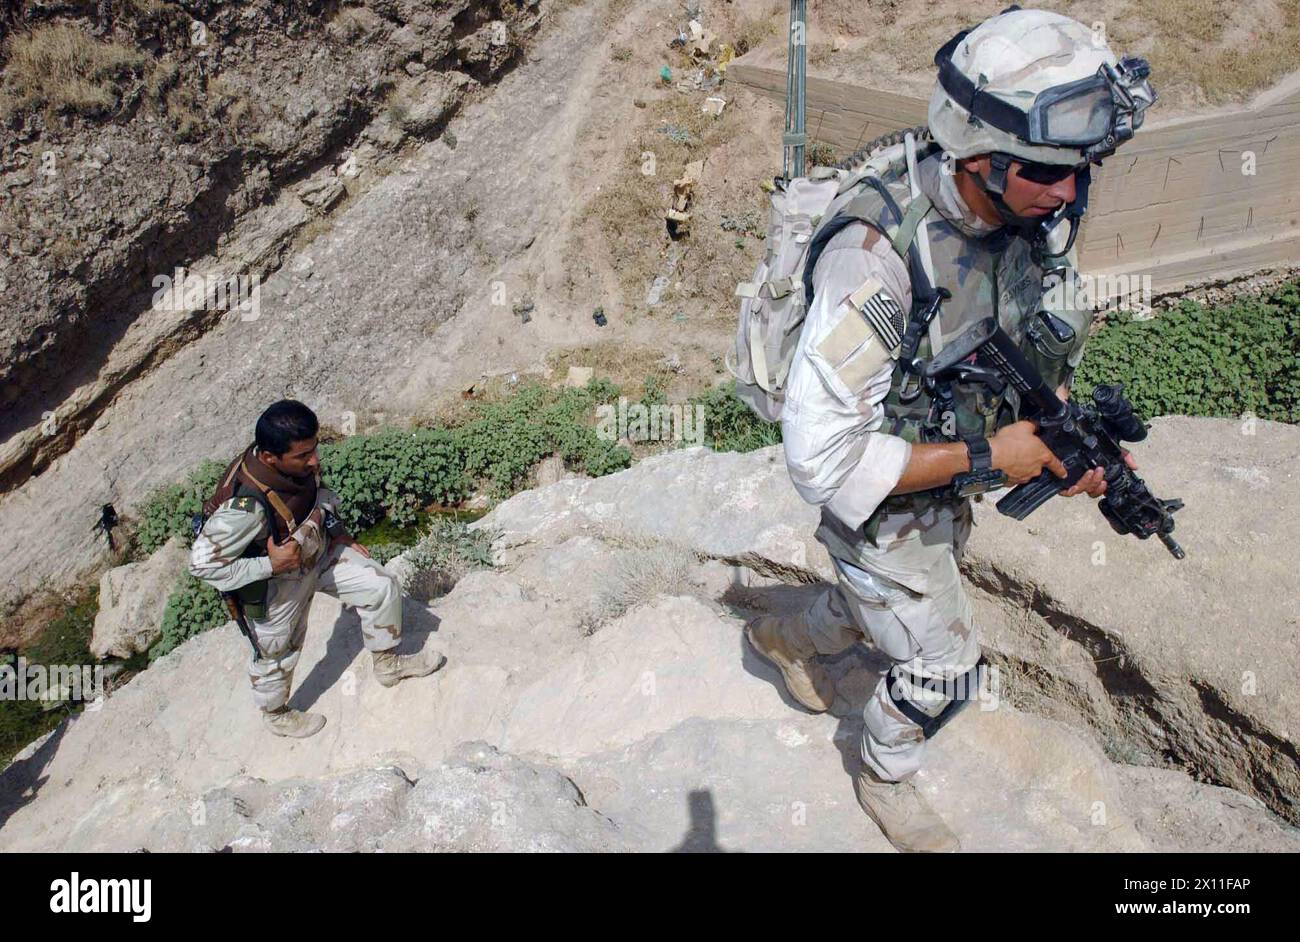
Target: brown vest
x,y
287,502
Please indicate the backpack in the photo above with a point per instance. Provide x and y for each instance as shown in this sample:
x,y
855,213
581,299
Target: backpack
x,y
777,298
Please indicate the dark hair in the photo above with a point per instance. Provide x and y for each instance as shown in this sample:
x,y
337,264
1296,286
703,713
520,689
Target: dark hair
x,y
284,423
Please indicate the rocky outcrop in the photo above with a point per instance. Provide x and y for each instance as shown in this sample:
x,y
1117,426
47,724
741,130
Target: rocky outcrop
x,y
132,599
226,128
562,724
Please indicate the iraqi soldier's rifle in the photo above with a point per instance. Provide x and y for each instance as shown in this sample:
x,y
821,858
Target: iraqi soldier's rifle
x,y
1082,436
231,599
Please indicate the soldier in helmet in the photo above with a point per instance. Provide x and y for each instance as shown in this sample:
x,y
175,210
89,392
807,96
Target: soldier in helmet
x,y
987,209
271,539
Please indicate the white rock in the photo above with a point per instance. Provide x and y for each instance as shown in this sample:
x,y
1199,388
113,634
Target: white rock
x,y
132,599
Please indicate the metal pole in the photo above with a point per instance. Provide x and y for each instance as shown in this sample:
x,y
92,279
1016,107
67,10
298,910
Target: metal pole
x,y
795,138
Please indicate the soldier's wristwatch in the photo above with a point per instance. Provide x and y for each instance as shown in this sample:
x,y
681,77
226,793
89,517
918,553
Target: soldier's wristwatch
x,y
982,476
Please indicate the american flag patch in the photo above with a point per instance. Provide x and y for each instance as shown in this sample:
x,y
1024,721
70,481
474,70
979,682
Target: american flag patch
x,y
882,313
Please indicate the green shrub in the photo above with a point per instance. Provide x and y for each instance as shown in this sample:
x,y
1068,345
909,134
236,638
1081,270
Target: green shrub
x,y
394,473
65,641
1195,360
192,608
503,441
168,511
447,550
730,425
384,552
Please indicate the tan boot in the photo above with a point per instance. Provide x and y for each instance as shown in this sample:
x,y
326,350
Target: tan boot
x,y
293,723
784,641
903,815
391,668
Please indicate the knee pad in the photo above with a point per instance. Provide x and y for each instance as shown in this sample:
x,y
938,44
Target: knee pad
x,y
944,700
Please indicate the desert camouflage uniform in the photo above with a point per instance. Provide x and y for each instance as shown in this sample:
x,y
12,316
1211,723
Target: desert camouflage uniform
x,y
847,446
342,572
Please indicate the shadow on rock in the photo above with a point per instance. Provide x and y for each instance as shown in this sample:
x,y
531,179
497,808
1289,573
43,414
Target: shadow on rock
x,y
20,782
345,643
702,835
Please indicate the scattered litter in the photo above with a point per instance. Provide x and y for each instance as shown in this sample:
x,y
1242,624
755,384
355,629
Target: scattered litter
x,y
714,105
664,279
725,54
656,292
665,75
579,376
599,317
672,362
678,215
701,40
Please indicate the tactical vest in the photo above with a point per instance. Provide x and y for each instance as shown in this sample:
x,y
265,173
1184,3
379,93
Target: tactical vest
x,y
236,481
990,275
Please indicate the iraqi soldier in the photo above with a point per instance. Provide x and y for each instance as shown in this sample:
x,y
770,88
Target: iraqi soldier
x,y
1025,102
272,539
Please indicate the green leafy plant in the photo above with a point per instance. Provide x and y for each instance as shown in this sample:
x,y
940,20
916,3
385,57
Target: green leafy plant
x,y
393,473
503,441
1197,360
192,608
730,425
446,551
169,510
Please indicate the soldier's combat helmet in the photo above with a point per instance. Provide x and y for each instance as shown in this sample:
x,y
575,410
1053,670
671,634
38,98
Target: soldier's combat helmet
x,y
1038,87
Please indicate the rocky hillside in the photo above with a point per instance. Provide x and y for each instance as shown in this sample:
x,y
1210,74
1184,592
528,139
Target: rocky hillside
x,y
432,196
599,694
143,136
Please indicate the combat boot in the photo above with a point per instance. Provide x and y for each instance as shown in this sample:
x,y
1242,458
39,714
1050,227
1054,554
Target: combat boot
x,y
903,815
293,723
391,668
784,641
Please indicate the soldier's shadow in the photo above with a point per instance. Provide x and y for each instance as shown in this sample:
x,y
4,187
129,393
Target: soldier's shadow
x,y
343,650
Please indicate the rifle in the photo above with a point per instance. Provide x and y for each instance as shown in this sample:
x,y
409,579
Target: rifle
x,y
1082,436
237,613
233,605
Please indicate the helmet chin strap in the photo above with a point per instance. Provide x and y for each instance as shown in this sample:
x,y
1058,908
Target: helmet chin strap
x,y
995,186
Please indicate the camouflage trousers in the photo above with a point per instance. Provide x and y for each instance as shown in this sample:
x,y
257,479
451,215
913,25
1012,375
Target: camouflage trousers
x,y
901,590
348,576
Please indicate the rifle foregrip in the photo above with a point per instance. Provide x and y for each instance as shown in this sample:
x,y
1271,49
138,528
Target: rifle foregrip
x,y
1024,499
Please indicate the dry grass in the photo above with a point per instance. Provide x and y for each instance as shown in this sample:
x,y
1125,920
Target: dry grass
x,y
640,574
1195,43
23,618
752,32
186,112
628,213
62,69
627,366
